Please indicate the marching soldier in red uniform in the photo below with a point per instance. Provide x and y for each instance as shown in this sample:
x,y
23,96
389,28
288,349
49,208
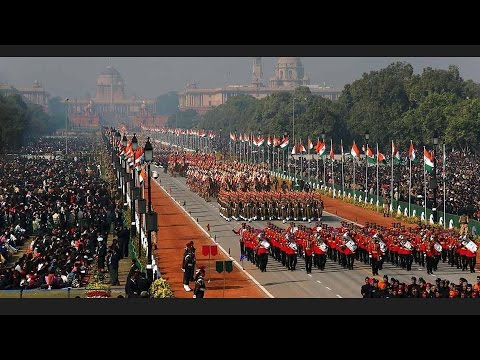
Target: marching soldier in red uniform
x,y
374,255
429,256
320,258
308,246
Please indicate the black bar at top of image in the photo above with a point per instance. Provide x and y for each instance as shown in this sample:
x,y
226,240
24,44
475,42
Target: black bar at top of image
x,y
237,50
240,306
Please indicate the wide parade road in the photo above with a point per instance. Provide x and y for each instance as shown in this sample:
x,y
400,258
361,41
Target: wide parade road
x,y
333,282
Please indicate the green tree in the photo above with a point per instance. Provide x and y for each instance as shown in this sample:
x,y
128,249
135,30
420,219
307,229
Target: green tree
x,y
431,114
376,102
463,128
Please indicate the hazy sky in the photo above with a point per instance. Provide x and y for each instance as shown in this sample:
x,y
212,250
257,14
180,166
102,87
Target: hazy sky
x,y
150,77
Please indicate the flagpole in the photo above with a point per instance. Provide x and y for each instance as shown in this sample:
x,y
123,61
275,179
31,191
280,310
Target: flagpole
x,y
391,180
308,162
333,176
444,188
278,160
318,159
294,161
263,152
354,184
343,179
324,167
378,183
425,186
410,183
366,174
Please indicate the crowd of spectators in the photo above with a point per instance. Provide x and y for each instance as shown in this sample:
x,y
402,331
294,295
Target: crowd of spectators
x,y
65,208
441,288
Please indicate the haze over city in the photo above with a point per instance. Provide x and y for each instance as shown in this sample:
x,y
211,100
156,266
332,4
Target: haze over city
x,y
150,77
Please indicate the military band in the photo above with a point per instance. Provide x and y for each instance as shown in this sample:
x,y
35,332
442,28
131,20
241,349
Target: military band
x,y
371,245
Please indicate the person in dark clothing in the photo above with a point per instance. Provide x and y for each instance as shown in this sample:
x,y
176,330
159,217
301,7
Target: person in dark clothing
x,y
123,236
199,290
144,283
132,270
365,290
113,268
132,288
101,253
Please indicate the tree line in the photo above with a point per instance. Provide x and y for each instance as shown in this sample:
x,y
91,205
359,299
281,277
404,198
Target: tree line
x,y
393,103
20,119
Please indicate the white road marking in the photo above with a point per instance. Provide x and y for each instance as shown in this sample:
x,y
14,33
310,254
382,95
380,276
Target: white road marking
x,y
221,248
326,287
309,275
338,296
319,281
420,269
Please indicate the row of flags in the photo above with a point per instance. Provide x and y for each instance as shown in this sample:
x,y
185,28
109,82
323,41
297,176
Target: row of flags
x,y
320,149
196,132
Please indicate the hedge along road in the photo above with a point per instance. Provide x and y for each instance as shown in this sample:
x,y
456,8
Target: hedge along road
x,y
176,229
334,282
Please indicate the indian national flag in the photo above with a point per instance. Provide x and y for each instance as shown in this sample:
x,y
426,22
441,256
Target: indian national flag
x,y
276,141
269,141
284,142
233,136
320,148
143,175
428,160
381,158
411,152
259,141
395,154
355,152
332,155
302,148
370,158
309,144
294,149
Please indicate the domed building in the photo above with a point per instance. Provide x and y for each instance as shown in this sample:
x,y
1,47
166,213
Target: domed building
x,y
111,103
110,86
289,74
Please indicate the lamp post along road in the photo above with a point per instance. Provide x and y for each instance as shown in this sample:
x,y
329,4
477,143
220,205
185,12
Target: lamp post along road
x,y
148,153
124,144
132,192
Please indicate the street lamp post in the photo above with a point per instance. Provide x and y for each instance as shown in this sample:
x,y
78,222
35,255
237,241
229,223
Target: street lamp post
x,y
434,185
116,161
66,126
124,144
132,200
148,153
367,137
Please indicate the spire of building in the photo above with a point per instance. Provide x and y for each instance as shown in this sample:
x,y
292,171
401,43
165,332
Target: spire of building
x,y
257,72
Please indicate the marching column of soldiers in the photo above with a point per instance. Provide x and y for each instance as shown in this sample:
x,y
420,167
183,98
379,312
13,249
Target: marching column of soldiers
x,y
272,205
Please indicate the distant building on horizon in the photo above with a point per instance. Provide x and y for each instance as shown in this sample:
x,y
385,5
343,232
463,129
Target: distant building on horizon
x,y
110,101
35,94
289,75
